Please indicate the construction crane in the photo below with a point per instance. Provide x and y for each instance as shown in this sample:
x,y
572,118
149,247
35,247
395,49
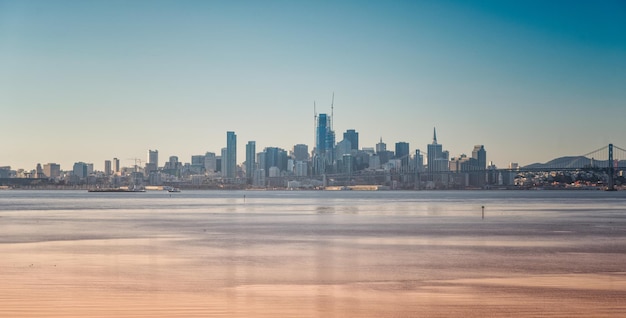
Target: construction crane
x,y
137,162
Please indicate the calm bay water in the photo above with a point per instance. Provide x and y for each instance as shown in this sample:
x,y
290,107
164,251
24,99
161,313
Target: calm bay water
x,y
312,254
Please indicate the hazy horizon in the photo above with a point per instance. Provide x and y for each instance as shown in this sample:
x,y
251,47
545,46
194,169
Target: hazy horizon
x,y
89,81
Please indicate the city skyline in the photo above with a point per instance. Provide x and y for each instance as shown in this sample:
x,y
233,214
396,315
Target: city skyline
x,y
531,81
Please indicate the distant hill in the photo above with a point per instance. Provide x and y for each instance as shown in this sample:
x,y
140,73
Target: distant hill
x,y
571,163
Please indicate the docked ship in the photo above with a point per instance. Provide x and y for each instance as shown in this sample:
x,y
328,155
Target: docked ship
x,y
128,189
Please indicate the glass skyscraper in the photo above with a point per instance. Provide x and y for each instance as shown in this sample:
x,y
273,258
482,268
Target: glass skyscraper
x,y
231,155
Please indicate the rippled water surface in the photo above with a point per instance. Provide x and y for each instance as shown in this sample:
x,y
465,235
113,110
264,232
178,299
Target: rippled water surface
x,y
312,254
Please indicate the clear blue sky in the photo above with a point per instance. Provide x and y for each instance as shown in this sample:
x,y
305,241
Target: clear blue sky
x,y
92,80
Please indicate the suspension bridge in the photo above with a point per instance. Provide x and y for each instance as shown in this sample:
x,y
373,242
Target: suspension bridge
x,y
606,161
609,159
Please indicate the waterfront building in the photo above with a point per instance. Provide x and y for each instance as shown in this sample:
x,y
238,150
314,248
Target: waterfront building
x,y
231,155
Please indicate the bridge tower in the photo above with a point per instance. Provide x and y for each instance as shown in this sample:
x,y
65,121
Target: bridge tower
x,y
611,169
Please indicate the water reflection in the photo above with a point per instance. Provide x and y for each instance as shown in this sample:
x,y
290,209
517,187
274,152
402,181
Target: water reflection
x,y
325,209
308,255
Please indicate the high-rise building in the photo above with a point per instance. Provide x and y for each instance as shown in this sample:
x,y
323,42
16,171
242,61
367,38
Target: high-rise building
x,y
322,131
419,161
210,162
324,144
197,164
107,167
197,160
231,155
301,152
260,160
402,153
275,157
80,169
381,146
153,157
479,153
52,170
223,160
437,158
353,137
250,160
344,147
116,165
39,171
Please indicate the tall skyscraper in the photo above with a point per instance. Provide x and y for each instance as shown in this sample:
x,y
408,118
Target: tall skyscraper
x,y
322,132
275,157
107,167
437,158
116,165
250,160
301,152
231,154
153,162
402,152
223,160
153,157
480,154
353,137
